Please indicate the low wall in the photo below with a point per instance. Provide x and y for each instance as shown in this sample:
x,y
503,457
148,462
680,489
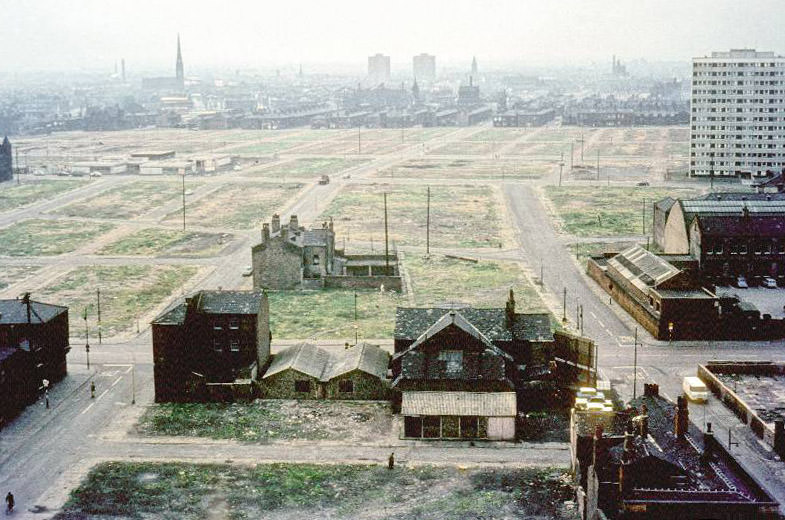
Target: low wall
x,y
391,283
230,392
735,403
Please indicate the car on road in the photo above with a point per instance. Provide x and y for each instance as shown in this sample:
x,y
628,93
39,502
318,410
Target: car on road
x,y
695,389
769,282
324,179
741,282
643,183
248,271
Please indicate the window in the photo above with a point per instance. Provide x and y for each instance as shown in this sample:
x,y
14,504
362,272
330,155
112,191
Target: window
x,y
469,427
453,361
346,386
217,346
234,324
431,426
315,259
234,345
302,386
412,427
217,326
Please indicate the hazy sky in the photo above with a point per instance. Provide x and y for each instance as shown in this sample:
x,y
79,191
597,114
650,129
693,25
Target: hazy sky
x,y
68,34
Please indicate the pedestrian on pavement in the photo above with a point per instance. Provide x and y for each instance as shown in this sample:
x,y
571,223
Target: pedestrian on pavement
x,y
9,501
391,461
92,390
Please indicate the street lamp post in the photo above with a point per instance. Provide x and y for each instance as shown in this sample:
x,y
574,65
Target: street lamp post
x,y
355,319
87,338
564,309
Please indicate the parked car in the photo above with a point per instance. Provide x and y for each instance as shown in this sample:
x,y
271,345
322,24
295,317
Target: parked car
x,y
324,179
769,282
741,282
643,183
248,271
695,389
587,395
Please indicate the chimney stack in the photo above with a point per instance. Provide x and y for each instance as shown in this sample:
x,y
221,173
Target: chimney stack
x,y
276,223
598,449
708,442
509,310
265,232
682,419
644,422
293,224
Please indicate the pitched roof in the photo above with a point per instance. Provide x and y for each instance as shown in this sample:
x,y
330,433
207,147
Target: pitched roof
x,y
304,358
173,315
665,204
642,268
364,357
484,404
15,311
229,302
411,322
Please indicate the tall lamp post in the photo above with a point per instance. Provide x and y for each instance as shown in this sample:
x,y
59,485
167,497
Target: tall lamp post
x,y
355,319
87,338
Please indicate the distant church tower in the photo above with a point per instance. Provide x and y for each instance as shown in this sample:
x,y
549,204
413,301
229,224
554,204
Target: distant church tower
x,y
474,66
6,161
416,91
179,65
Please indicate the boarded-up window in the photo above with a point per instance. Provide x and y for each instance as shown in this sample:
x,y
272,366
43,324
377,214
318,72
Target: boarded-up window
x,y
450,426
469,427
412,427
431,426
302,386
482,427
453,362
346,386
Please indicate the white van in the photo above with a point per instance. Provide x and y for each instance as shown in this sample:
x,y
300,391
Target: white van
x,y
695,389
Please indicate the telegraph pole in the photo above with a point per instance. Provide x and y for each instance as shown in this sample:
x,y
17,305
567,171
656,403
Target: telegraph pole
x,y
428,223
98,300
561,167
635,367
386,240
643,218
572,154
183,200
359,144
564,309
87,338
598,168
355,318
581,141
18,169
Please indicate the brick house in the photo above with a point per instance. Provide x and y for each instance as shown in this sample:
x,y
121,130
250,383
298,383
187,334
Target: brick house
x,y
33,348
306,371
292,256
211,346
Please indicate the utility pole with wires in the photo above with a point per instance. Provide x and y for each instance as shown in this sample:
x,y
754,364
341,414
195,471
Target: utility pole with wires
x,y
572,154
635,366
359,144
183,173
561,167
98,308
386,240
581,140
18,169
428,223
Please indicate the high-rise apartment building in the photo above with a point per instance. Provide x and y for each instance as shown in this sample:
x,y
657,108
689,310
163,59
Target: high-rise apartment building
x,y
424,67
737,118
379,68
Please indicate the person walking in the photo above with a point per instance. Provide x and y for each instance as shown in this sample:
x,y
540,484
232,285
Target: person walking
x,y
92,389
391,461
9,501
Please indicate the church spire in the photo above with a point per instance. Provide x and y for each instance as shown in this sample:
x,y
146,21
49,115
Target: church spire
x,y
179,65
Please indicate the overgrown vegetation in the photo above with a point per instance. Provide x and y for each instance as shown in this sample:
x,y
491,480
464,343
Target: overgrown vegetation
x,y
38,237
15,195
128,292
167,242
127,200
195,491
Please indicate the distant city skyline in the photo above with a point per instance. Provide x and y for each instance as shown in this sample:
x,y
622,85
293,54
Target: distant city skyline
x,y
93,34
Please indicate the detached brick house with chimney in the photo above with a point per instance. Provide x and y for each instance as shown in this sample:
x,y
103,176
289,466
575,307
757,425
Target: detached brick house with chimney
x,y
212,346
33,348
292,256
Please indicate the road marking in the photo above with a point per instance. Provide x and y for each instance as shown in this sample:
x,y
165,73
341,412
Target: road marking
x,y
601,323
102,394
117,380
88,408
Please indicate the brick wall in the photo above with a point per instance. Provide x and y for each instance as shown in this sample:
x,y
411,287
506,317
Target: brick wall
x,y
391,283
366,387
281,386
276,265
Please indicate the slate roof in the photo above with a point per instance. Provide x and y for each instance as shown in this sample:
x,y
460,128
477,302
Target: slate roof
x,y
229,302
665,204
15,312
412,322
320,364
314,238
6,352
484,404
173,315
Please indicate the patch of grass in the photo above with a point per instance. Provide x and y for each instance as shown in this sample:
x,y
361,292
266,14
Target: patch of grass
x,y
607,211
126,201
307,168
47,237
439,279
467,169
329,313
15,195
262,148
167,242
14,274
127,292
466,148
191,491
238,206
268,420
461,215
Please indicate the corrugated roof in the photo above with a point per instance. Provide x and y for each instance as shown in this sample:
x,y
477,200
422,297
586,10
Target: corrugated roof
x,y
483,404
364,357
642,268
15,312
305,358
